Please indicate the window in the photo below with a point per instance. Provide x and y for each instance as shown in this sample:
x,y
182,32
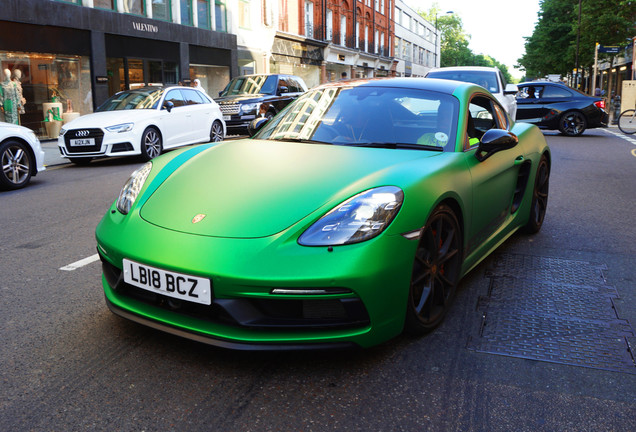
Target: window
x,y
376,41
203,14
366,39
481,119
357,35
186,12
382,43
135,7
343,30
244,14
309,19
377,5
555,92
104,4
220,16
192,97
175,97
160,9
329,25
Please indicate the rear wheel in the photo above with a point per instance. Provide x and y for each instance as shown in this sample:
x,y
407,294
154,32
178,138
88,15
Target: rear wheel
x,y
627,122
16,164
435,272
572,123
539,197
151,146
216,132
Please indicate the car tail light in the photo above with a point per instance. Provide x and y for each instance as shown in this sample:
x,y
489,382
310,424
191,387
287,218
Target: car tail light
x,y
600,104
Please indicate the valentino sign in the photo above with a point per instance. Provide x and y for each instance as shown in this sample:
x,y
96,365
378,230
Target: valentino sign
x,y
145,27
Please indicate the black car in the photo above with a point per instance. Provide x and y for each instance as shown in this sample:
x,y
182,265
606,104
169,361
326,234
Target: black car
x,y
552,105
249,96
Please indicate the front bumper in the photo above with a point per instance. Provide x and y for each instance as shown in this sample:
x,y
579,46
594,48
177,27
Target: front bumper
x,y
106,144
363,304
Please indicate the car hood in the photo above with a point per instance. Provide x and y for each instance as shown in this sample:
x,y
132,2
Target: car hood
x,y
251,188
241,98
110,118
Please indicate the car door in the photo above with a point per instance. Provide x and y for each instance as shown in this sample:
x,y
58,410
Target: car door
x,y
529,104
176,125
201,114
493,180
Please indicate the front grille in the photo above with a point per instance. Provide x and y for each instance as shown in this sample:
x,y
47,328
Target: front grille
x,y
230,109
96,134
256,314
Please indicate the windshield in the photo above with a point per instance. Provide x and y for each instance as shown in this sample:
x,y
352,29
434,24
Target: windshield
x,y
132,99
486,79
255,84
368,116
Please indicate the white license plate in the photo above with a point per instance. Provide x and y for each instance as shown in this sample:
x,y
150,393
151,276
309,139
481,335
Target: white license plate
x,y
226,118
82,142
178,285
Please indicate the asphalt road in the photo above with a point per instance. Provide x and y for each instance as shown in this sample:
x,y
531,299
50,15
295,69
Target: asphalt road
x,y
68,364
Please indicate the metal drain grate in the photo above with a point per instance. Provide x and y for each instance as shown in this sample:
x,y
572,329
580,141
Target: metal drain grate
x,y
554,310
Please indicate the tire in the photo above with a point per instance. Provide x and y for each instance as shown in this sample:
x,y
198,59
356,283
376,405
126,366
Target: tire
x,y
435,274
627,122
269,115
151,146
81,161
539,202
216,132
572,123
16,164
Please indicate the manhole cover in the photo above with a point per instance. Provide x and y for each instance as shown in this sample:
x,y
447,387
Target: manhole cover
x,y
554,310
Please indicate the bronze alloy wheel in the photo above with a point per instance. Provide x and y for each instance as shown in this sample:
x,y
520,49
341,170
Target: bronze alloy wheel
x,y
435,271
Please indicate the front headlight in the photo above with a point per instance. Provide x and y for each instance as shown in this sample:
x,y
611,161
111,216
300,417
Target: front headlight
x,y
62,132
125,127
358,219
246,108
133,186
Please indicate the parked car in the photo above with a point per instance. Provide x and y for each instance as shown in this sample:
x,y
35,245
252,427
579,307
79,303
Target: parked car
x,y
143,121
21,156
249,96
556,106
490,78
349,217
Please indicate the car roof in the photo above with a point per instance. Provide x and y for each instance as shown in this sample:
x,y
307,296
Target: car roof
x,y
433,84
466,68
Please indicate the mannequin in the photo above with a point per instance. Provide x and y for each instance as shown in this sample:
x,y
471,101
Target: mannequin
x,y
9,98
17,78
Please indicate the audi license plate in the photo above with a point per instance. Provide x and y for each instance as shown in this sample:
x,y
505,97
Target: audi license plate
x,y
177,285
82,142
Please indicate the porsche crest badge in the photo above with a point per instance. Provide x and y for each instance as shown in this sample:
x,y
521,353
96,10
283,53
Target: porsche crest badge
x,y
198,218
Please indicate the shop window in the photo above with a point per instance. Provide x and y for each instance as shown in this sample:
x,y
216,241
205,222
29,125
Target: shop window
x,y
186,12
203,14
212,78
220,16
160,9
104,4
134,7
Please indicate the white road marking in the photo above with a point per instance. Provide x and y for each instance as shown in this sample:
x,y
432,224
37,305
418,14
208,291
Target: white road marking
x,y
81,263
619,134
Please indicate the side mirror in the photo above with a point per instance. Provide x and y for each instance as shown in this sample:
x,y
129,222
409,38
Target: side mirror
x,y
282,90
256,125
493,141
511,89
168,105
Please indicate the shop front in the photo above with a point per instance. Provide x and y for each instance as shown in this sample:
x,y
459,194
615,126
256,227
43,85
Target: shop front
x,y
297,56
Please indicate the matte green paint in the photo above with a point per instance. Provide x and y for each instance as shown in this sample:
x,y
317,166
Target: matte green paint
x,y
260,196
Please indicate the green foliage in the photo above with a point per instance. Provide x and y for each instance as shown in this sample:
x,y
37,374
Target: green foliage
x,y
553,45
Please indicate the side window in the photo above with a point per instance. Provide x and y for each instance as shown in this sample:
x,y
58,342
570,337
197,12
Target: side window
x,y
481,118
192,97
294,86
556,92
283,85
176,98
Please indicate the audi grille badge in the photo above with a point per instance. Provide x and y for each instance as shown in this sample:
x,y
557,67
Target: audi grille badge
x,y
198,218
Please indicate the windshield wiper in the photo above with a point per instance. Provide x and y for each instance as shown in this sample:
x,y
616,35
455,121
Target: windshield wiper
x,y
300,140
395,146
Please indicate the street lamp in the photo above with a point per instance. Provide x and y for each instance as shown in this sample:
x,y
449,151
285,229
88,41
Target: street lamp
x,y
437,36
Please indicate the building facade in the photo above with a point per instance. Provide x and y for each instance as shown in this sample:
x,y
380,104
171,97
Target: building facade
x,y
80,52
417,44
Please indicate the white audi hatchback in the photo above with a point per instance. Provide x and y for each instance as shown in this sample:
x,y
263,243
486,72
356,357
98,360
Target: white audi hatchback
x,y
21,156
143,121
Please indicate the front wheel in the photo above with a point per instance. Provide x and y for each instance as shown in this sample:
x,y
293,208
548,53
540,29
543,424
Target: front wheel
x,y
627,122
572,123
151,146
436,269
216,131
539,202
16,163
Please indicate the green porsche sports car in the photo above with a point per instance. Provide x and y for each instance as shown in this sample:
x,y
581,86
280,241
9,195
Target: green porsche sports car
x,y
347,219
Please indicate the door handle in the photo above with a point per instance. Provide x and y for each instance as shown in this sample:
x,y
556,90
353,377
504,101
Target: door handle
x,y
519,160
